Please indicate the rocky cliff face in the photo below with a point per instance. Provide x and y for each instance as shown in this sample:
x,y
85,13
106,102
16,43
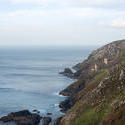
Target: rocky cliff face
x,y
102,58
99,91
97,59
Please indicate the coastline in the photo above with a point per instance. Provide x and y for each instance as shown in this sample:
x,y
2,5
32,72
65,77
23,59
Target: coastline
x,y
57,94
95,69
69,100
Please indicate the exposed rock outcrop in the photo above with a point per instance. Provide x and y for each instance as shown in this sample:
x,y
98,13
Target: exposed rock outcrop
x,y
22,118
66,104
102,58
67,72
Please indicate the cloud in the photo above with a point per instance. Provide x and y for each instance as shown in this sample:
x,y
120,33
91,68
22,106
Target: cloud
x,y
88,2
118,23
71,2
65,1
63,12
32,1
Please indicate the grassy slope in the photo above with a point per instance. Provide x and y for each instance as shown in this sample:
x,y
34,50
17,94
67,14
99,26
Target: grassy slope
x,y
94,115
88,115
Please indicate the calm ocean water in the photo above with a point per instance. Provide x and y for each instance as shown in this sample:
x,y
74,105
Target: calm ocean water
x,y
30,79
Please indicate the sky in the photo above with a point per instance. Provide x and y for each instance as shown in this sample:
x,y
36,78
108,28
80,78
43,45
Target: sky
x,y
61,22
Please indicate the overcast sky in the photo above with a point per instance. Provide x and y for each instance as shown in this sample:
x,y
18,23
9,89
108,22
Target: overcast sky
x,y
61,22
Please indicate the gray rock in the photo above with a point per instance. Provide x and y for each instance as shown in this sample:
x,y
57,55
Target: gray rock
x,y
22,118
47,120
67,72
57,121
121,75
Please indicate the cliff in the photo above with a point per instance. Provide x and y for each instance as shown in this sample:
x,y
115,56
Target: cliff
x,y
98,96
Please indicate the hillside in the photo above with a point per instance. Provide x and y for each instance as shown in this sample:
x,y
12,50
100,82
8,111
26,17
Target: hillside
x,y
98,96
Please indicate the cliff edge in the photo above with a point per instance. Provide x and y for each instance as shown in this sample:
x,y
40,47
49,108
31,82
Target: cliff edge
x,y
98,95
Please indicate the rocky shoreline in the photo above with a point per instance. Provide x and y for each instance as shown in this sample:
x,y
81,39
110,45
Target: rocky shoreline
x,y
25,117
22,118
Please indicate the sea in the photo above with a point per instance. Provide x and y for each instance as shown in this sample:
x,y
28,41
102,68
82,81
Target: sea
x,y
30,79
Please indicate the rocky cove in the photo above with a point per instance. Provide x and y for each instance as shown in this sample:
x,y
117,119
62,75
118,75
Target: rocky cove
x,y
97,94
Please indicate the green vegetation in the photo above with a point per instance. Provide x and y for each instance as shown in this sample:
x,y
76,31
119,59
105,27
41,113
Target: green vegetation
x,y
90,117
99,76
122,56
94,116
